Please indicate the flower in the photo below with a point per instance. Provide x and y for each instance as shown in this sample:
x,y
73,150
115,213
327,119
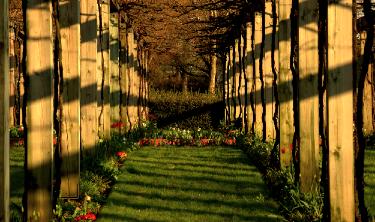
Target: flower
x,y
20,142
88,216
230,141
143,142
118,125
205,142
283,149
121,154
87,198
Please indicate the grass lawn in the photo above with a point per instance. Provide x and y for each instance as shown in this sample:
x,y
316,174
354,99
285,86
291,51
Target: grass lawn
x,y
189,184
16,174
16,181
370,181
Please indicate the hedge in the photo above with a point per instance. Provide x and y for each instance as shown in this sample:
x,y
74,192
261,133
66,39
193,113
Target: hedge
x,y
189,110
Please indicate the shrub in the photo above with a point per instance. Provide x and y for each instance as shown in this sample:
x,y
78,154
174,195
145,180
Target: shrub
x,y
16,132
186,110
99,171
294,205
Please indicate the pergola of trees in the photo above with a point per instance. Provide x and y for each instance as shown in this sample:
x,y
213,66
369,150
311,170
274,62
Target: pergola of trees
x,y
83,69
290,71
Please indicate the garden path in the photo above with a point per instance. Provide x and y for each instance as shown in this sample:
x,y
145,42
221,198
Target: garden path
x,y
189,184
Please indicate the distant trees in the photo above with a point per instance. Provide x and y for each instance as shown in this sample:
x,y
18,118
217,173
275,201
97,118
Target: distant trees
x,y
183,38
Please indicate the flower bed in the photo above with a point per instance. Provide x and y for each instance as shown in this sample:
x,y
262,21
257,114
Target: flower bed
x,y
99,172
151,136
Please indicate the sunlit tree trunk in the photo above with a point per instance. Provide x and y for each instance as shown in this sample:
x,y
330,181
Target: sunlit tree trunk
x,y
258,84
4,112
114,68
285,84
249,77
267,73
237,82
132,92
340,111
39,126
70,122
103,76
308,95
226,89
213,71
368,99
89,114
12,76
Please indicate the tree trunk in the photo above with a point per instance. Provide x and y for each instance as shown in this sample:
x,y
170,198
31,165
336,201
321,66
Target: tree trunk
x,y
268,74
226,80
70,122
249,77
185,82
132,99
368,112
237,83
309,96
4,112
114,66
12,76
89,114
285,85
103,77
242,82
213,71
124,81
340,111
39,127
258,83
21,84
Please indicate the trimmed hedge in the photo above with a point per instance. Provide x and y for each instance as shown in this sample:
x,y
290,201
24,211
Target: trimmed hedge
x,y
186,110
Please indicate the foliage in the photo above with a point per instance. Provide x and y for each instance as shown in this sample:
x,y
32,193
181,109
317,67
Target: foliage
x,y
99,171
148,134
16,132
295,205
185,110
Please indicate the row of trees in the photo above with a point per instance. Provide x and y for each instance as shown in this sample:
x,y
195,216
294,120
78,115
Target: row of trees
x,y
286,74
83,70
291,76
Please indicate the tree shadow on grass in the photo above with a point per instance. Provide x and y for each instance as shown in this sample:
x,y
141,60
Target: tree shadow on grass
x,y
224,190
16,174
207,214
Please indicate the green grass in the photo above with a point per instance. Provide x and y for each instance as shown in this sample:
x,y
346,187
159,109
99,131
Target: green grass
x,y
16,181
16,174
370,181
189,184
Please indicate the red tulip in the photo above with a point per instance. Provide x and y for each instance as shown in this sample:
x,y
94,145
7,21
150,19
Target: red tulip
x,y
121,154
88,216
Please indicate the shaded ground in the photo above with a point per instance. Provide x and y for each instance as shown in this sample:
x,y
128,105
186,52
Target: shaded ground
x,y
370,181
16,174
16,182
189,184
